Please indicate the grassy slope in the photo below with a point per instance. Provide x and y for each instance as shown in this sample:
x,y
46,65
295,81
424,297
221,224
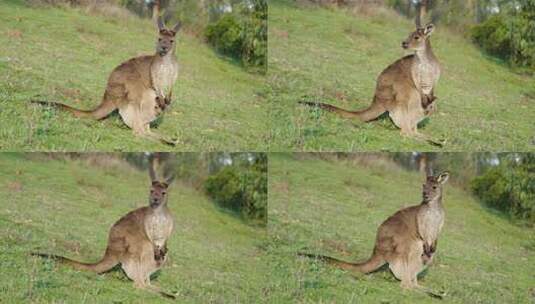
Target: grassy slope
x,y
332,56
335,209
67,208
65,55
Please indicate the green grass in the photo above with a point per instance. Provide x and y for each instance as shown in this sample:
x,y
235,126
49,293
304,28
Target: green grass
x,y
67,208
66,55
334,208
334,56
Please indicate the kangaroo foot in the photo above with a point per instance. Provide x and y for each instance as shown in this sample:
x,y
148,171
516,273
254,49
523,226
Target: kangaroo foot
x,y
434,294
159,291
435,142
146,133
155,289
169,141
407,285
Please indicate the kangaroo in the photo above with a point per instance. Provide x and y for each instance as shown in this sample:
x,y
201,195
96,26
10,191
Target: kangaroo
x,y
404,89
138,241
140,88
406,240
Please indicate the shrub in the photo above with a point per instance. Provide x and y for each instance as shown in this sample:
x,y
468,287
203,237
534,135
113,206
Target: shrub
x,y
242,35
243,190
226,35
509,36
509,187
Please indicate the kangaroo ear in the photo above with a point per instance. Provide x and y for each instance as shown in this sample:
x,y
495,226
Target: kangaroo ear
x,y
161,25
177,27
443,178
428,29
170,179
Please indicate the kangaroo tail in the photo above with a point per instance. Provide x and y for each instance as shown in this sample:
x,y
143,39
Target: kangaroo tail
x,y
370,265
100,112
106,263
370,113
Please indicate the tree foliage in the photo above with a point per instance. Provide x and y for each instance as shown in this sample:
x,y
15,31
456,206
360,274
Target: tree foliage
x,y
242,34
510,186
242,189
510,34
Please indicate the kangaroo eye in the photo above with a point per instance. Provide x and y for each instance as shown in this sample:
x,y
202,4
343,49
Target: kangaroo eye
x,y
417,37
160,39
434,187
172,41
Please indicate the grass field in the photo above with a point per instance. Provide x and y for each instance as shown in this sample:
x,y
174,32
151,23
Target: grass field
x,y
334,208
66,208
333,56
66,55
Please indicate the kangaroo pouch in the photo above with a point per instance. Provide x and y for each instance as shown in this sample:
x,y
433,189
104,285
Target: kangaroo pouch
x,y
409,114
138,114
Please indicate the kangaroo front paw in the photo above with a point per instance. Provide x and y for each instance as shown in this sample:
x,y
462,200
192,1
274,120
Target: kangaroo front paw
x,y
160,254
162,102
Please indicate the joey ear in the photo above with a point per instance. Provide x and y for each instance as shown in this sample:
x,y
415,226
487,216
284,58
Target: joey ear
x,y
428,30
443,177
177,27
169,179
154,183
165,185
161,25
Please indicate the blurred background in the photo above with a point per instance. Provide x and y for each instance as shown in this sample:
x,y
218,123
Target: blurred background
x,y
235,182
502,181
234,28
502,28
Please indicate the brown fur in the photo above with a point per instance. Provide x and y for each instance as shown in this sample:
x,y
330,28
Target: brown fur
x,y
138,241
404,89
140,88
406,240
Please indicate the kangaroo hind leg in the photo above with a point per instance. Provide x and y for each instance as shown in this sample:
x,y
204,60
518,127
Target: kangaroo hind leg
x,y
113,96
143,130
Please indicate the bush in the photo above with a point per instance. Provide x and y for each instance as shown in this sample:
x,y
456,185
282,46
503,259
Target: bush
x,y
242,36
226,35
243,190
510,37
493,36
509,187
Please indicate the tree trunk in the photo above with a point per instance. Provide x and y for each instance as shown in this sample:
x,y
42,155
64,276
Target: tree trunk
x,y
421,12
155,11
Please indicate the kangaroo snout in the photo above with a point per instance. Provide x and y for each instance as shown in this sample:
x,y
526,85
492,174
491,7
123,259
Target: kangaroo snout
x,y
405,44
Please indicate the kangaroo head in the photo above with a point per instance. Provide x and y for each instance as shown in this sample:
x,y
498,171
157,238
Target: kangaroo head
x,y
417,39
432,189
158,189
158,194
166,38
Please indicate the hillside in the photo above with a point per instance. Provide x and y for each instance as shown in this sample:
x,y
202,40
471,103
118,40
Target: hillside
x,y
66,55
335,208
332,56
67,208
